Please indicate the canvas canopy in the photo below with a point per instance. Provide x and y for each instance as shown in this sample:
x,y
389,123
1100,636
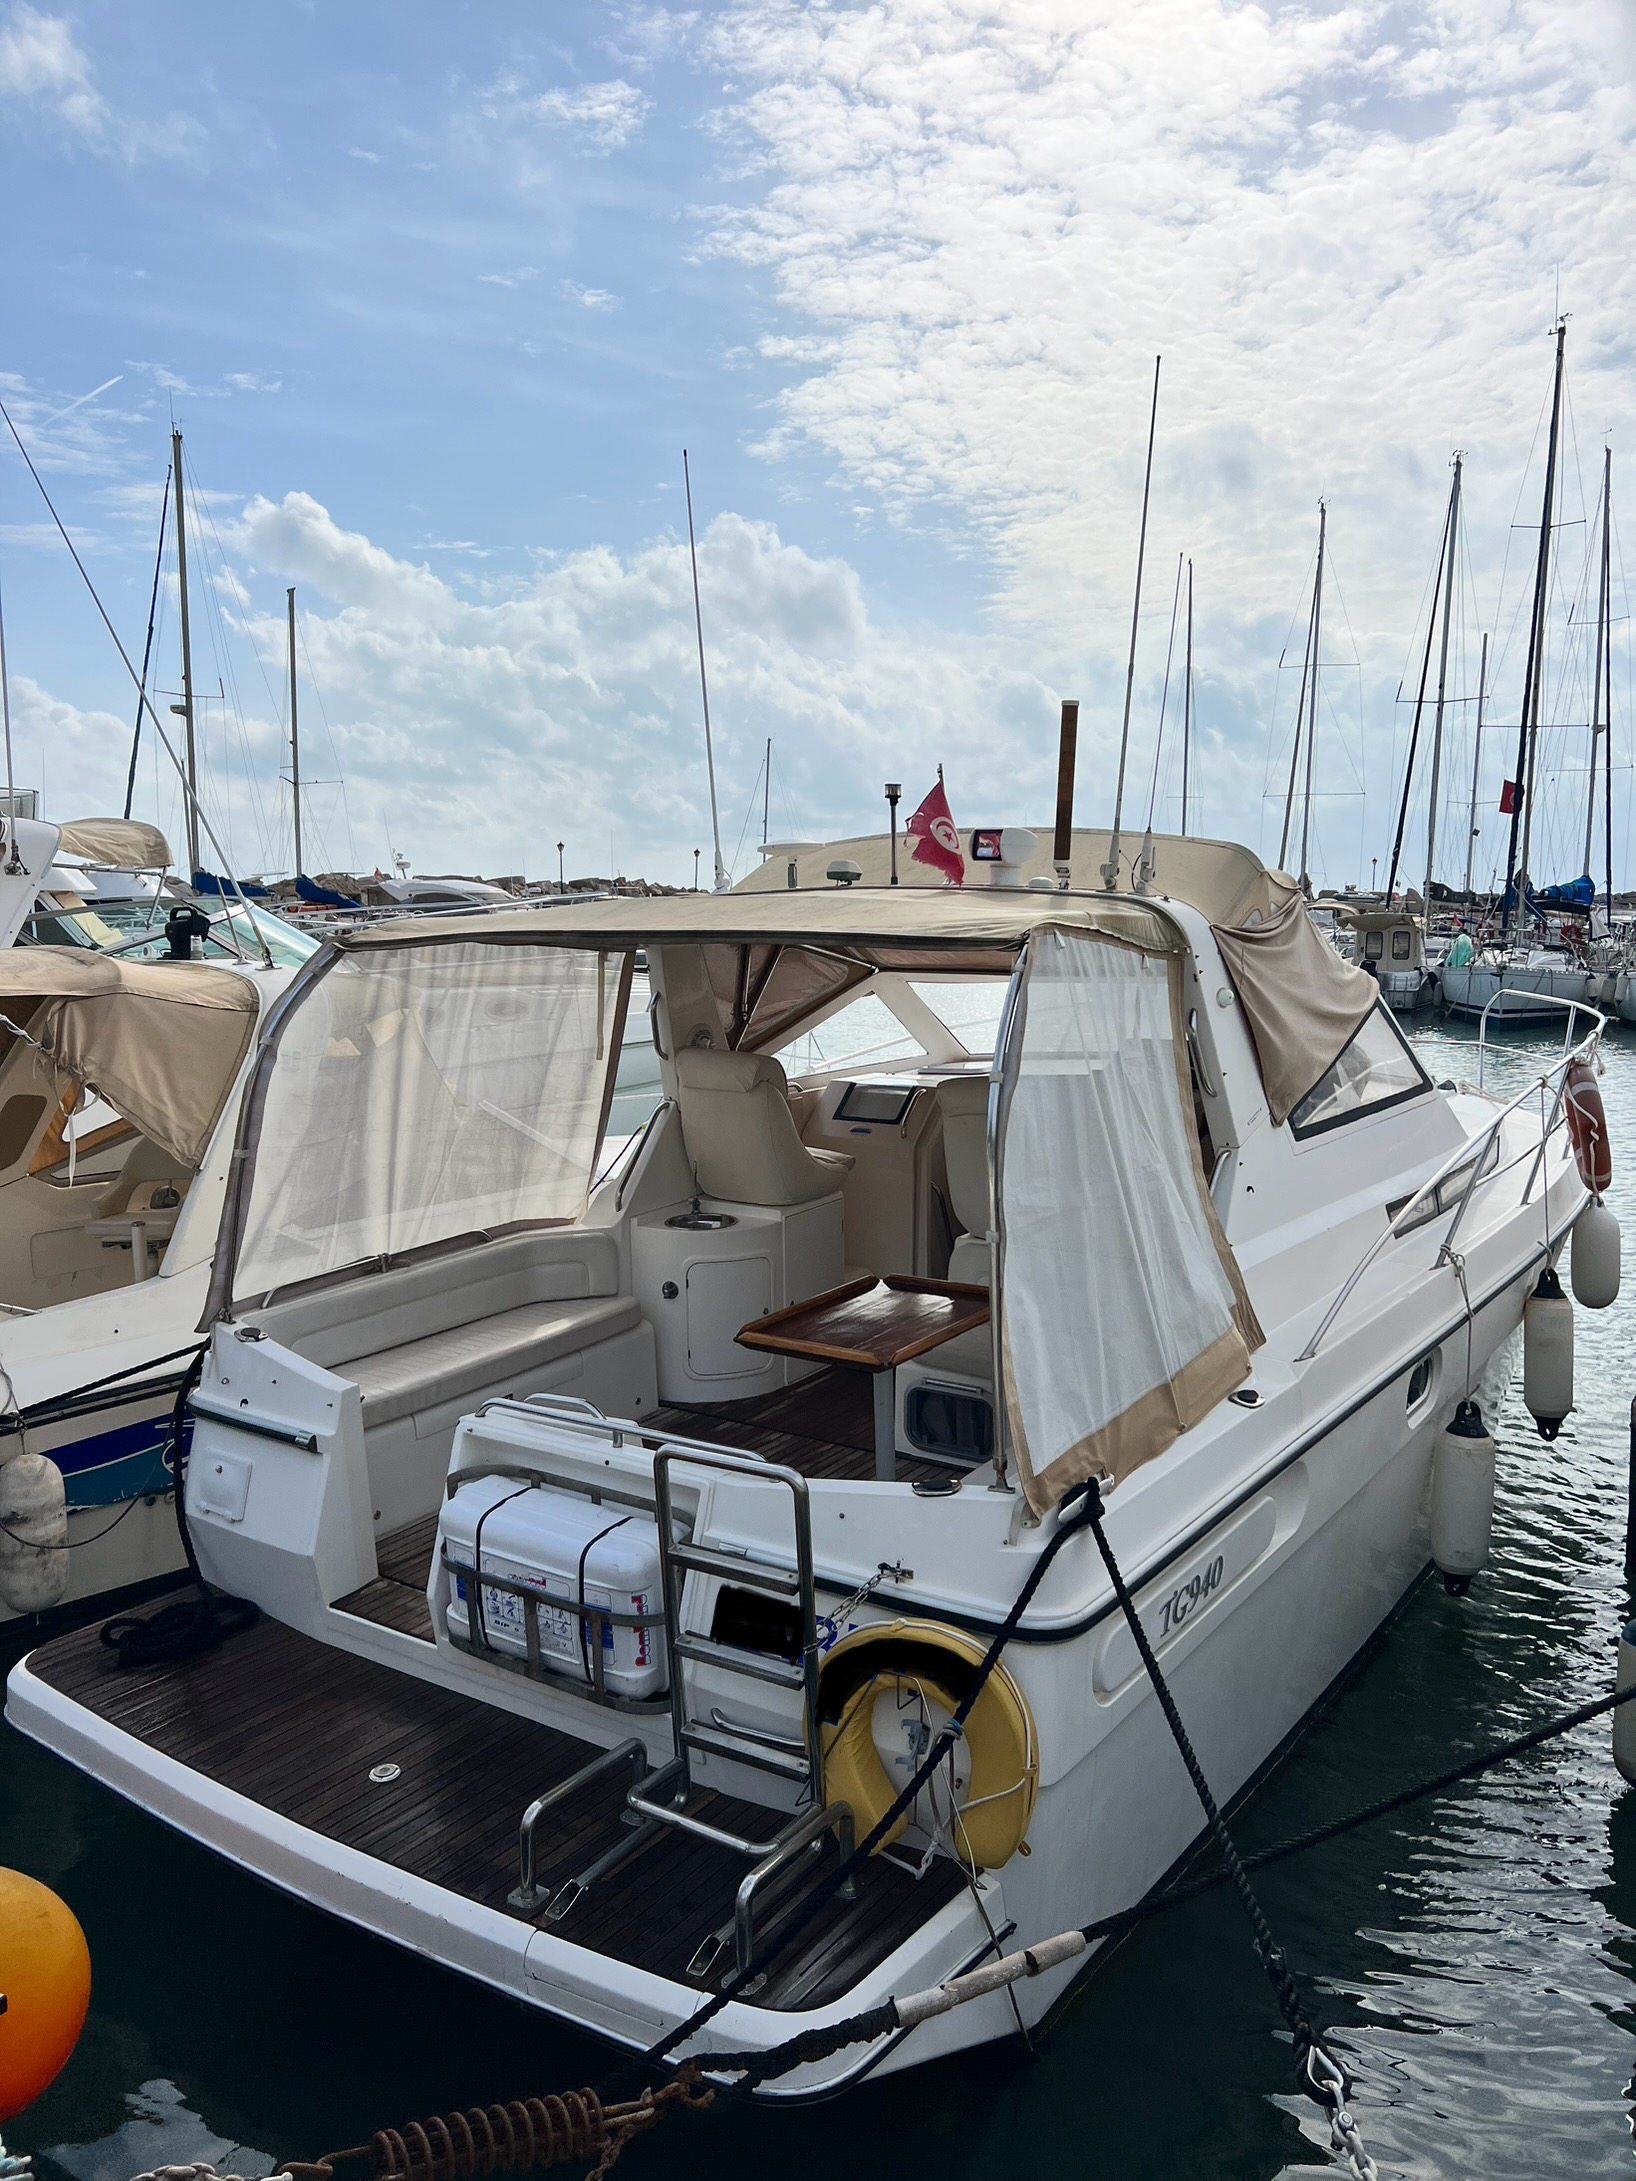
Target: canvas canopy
x,y
162,1042
1123,1317
121,844
1302,1002
421,1094
1227,882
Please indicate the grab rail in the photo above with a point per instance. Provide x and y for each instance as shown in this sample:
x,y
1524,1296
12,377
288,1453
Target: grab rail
x,y
1543,999
1474,1148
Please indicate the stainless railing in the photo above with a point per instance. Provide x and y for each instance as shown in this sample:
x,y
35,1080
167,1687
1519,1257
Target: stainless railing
x,y
1475,1151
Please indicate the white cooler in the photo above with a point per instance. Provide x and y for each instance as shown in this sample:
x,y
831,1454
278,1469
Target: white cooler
x,y
562,1546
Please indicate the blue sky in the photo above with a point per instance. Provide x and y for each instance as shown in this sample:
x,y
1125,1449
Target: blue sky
x,y
438,295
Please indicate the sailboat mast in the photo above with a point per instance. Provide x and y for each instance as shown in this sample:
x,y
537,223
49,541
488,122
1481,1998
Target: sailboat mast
x,y
1419,712
1442,692
1110,870
191,797
1312,695
1602,635
704,686
766,789
1476,759
1522,809
1187,700
1607,670
1295,747
295,740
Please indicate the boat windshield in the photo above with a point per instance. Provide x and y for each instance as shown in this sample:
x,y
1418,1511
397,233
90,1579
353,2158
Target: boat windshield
x,y
136,931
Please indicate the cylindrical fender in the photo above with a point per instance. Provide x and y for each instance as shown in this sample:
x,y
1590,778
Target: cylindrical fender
x,y
1588,1127
928,1659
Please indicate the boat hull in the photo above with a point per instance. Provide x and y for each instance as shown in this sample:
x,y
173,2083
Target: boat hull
x,y
1515,994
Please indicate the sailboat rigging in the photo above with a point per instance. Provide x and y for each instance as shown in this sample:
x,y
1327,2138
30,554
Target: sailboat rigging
x,y
1522,802
1306,711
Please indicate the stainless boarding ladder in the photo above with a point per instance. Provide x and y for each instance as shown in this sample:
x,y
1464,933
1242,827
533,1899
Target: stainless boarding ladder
x,y
659,1797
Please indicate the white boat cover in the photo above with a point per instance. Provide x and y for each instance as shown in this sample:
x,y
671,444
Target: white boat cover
x,y
1123,1316
119,844
1303,1003
426,1093
161,1041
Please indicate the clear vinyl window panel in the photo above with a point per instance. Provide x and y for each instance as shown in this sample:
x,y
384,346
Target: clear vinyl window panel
x,y
971,1008
863,1033
420,1093
1376,1069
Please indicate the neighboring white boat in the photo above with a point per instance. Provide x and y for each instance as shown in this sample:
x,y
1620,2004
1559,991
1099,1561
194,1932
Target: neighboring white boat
x,y
1391,944
1528,983
115,1078
545,1514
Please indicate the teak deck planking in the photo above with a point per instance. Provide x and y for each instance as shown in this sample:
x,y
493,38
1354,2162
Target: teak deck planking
x,y
296,1725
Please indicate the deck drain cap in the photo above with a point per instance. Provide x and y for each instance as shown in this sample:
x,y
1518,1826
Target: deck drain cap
x,y
381,1773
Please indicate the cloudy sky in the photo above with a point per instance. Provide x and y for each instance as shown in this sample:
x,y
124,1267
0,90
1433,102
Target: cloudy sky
x,y
439,294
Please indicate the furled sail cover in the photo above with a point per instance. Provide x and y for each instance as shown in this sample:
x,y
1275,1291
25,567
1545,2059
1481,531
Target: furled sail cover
x,y
420,1093
1302,1002
1123,1316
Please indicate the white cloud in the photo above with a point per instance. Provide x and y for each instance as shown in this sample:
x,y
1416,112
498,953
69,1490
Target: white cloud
x,y
513,279
477,731
1341,227
598,299
43,63
603,115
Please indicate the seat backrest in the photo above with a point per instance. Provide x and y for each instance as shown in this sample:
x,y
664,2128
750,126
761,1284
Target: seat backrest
x,y
144,1162
964,1100
379,1310
740,1135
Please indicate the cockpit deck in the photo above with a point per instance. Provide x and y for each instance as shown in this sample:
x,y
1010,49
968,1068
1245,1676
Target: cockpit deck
x,y
298,1726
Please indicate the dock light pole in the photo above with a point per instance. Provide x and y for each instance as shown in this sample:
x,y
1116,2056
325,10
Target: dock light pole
x,y
695,870
894,790
562,876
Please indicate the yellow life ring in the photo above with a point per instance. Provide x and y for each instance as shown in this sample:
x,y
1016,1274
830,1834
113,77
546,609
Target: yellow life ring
x,y
927,1664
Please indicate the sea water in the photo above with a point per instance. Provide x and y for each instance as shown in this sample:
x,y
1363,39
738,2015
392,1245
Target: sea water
x,y
1473,1958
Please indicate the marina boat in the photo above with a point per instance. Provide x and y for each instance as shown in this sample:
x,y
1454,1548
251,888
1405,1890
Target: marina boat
x,y
620,1544
1393,945
1517,985
115,1077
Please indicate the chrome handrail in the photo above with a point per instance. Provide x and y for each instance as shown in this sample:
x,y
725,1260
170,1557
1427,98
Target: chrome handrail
x,y
1474,1147
1544,999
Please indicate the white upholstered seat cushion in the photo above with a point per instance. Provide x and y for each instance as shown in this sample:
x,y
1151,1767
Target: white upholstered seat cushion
x,y
483,1357
741,1136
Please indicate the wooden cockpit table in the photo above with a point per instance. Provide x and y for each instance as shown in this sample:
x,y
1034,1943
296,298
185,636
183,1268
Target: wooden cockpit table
x,y
873,1325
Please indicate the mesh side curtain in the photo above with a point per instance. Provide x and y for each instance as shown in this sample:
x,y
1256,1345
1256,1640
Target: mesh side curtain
x,y
1123,1317
421,1093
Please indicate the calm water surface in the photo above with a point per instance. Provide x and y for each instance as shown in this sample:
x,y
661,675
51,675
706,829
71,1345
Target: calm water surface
x,y
1476,1957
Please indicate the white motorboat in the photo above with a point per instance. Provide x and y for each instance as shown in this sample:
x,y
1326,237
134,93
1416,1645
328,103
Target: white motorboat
x,y
116,1128
1391,945
602,1596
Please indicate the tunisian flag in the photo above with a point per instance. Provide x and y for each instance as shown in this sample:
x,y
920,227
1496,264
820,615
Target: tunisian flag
x,y
936,841
1510,798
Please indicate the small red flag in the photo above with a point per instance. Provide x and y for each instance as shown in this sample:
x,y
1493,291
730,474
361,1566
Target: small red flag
x,y
1510,798
935,839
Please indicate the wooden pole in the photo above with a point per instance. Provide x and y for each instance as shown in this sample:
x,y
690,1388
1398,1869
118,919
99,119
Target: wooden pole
x,y
1067,755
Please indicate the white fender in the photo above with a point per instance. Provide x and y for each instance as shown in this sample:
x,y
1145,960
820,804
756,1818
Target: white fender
x,y
33,1533
1462,1499
1548,1355
1595,1257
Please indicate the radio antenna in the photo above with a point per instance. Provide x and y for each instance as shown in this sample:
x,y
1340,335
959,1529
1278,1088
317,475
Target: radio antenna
x,y
723,883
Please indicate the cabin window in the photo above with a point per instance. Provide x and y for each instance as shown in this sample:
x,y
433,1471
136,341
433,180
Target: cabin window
x,y
1374,945
1400,946
1376,1069
972,1008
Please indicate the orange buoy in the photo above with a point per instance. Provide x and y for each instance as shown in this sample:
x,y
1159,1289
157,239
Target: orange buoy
x,y
1588,1127
45,1975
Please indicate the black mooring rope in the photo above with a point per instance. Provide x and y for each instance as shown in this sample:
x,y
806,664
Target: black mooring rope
x,y
1069,1525
1273,1959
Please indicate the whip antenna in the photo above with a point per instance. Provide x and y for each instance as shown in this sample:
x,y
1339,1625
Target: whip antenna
x,y
722,880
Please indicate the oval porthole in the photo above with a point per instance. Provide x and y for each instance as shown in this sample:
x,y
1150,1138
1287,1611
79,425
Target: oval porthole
x,y
1420,1380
